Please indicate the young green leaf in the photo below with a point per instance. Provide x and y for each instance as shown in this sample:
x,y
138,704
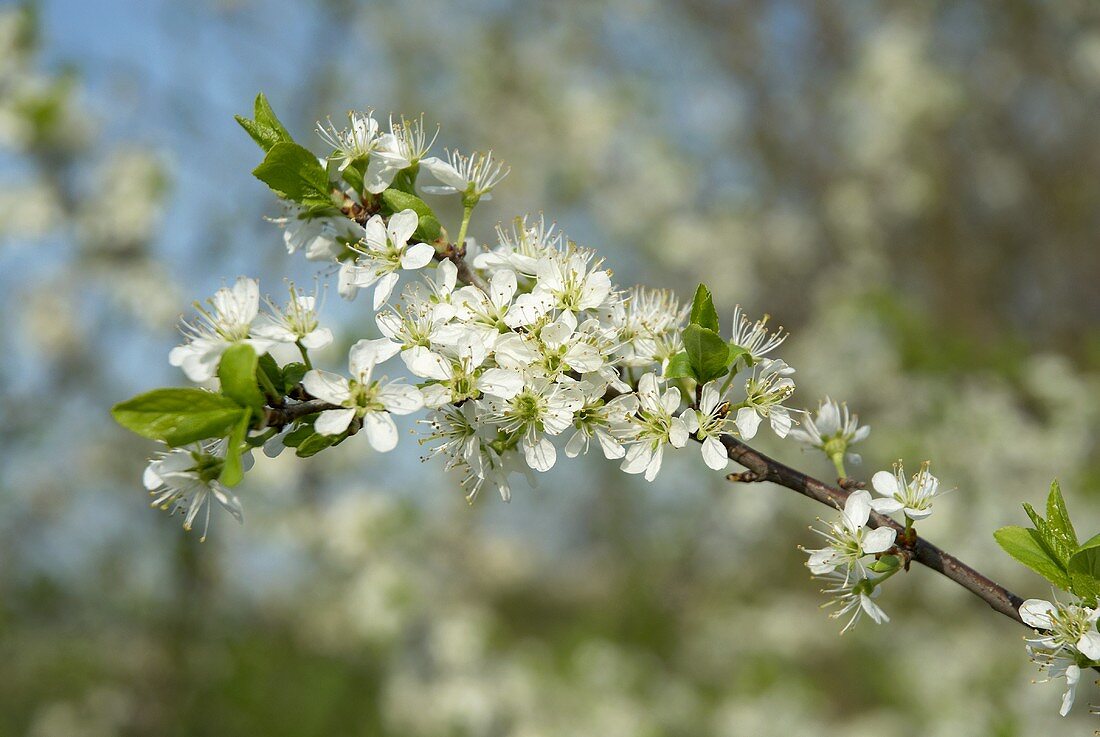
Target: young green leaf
x,y
428,228
679,367
237,373
294,174
233,470
707,352
1023,545
1057,546
314,444
737,352
295,437
264,115
1058,516
267,366
178,416
292,375
265,129
703,313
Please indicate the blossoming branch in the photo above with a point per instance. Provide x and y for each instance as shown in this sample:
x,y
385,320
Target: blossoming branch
x,y
527,349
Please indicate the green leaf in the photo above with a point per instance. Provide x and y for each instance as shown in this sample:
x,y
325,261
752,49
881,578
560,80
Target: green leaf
x,y
295,437
1057,546
885,563
707,352
294,173
1084,570
1024,545
237,372
315,443
1058,516
270,369
233,470
405,181
265,129
737,352
353,173
703,313
264,115
428,227
178,416
679,367
292,375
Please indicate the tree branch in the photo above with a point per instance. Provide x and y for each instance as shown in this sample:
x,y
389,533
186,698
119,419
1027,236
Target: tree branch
x,y
764,468
280,417
466,275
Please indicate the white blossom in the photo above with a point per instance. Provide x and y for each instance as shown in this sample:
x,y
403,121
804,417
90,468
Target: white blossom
x,y
540,409
1069,626
351,143
184,480
472,176
849,539
321,238
384,250
913,496
765,391
361,397
649,322
607,422
708,423
404,146
520,249
754,337
832,430
654,426
1067,642
295,323
228,321
852,596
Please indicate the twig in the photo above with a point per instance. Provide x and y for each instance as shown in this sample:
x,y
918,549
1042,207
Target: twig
x,y
764,468
282,416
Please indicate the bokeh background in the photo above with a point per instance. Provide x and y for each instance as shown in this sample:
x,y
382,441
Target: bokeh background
x,y
911,188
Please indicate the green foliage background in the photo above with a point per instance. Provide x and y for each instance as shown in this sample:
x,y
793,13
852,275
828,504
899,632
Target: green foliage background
x,y
912,189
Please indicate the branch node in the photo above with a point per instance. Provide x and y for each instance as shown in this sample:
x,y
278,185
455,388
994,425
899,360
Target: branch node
x,y
747,477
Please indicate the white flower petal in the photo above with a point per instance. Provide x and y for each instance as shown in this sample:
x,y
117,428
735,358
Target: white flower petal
x,y
384,289
885,483
333,421
326,386
417,256
381,432
714,454
1036,613
401,399
878,540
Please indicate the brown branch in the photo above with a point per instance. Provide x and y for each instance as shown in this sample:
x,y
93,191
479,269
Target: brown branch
x,y
280,417
764,468
457,256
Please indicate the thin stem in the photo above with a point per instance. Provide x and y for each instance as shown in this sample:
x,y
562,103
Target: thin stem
x,y
467,211
273,393
879,579
838,462
305,354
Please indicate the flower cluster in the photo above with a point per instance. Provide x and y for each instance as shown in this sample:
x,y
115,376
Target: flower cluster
x,y
518,351
1068,643
854,579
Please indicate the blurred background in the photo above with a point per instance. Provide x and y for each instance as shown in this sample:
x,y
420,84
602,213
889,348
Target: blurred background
x,y
911,188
